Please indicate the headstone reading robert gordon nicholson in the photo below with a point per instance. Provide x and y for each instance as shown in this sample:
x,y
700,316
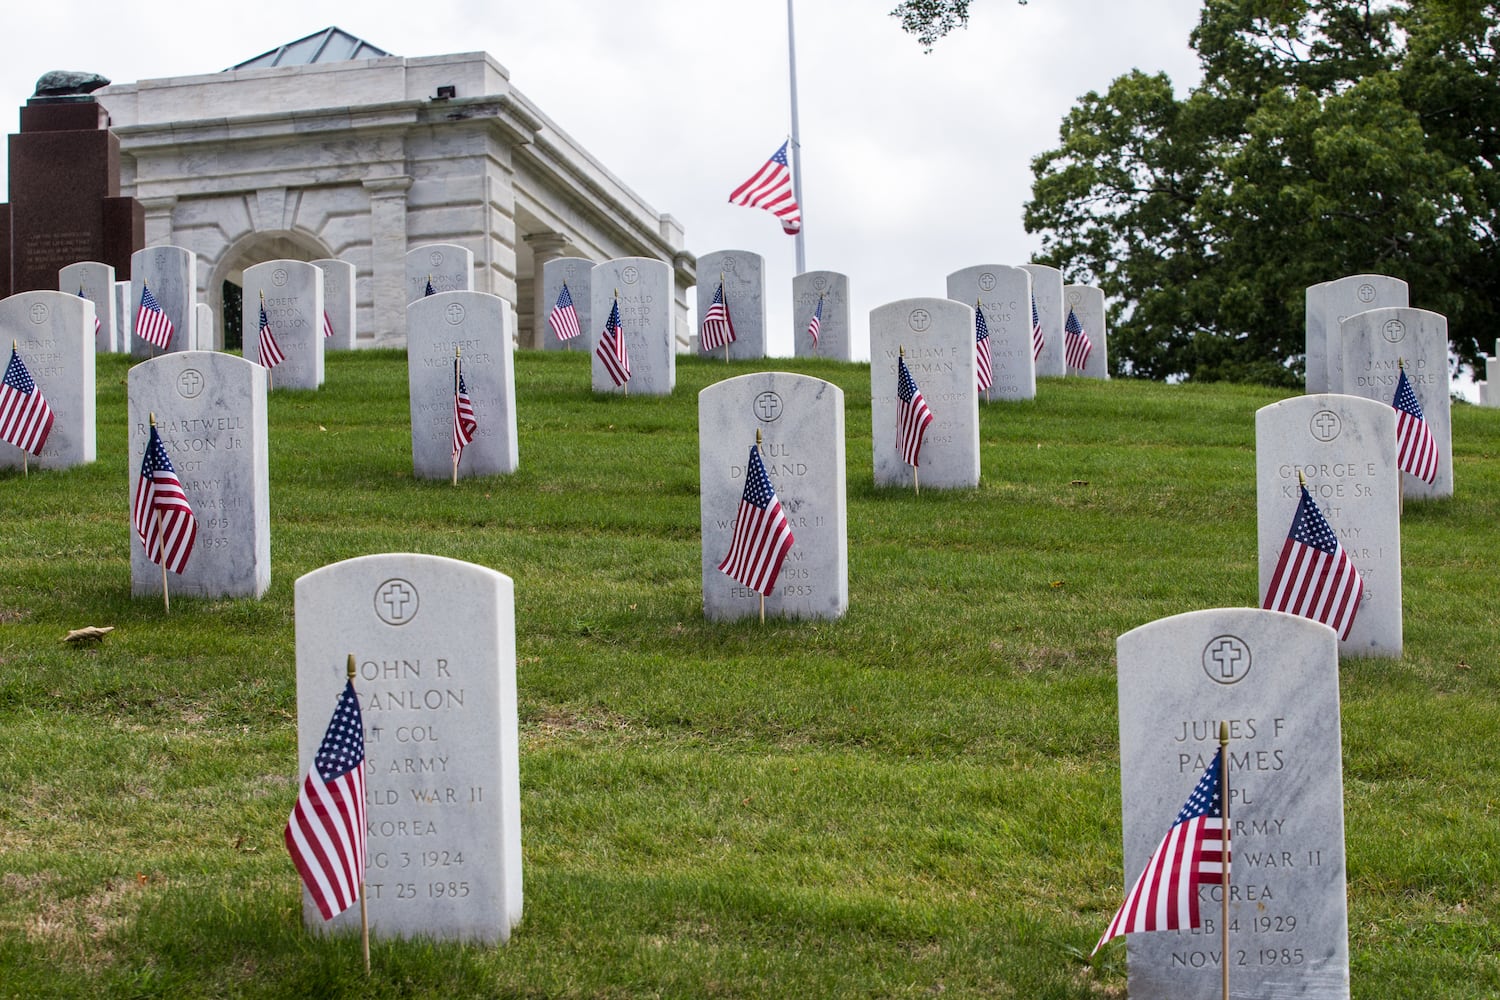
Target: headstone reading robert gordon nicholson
x,y
1087,303
1004,293
938,335
172,275
645,288
1273,678
434,642
448,266
477,324
835,335
802,422
338,303
54,334
1345,446
293,291
211,414
1376,343
1342,299
1047,286
97,283
745,295
575,272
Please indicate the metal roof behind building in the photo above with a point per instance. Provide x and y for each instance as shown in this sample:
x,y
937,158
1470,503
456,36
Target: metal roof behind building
x,y
326,46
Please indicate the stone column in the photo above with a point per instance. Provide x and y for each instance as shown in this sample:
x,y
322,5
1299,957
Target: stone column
x,y
544,247
388,259
159,219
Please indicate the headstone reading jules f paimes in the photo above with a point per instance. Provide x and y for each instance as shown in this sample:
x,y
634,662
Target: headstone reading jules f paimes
x,y
1273,678
434,643
447,267
292,293
744,275
801,420
644,287
171,275
574,272
835,337
1004,293
1047,286
211,414
54,338
96,282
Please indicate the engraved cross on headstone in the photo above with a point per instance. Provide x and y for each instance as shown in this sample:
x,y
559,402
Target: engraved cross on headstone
x,y
1227,654
1326,425
396,596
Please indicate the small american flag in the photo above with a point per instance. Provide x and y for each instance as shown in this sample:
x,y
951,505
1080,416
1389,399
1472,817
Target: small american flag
x,y
1195,851
429,290
270,351
161,516
1314,576
912,414
1076,346
611,350
718,328
816,323
982,349
97,325
151,323
564,318
761,536
325,833
1037,341
1416,450
25,417
770,188
464,424
327,324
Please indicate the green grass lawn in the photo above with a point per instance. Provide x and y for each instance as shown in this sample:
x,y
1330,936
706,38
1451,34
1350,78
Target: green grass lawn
x,y
920,799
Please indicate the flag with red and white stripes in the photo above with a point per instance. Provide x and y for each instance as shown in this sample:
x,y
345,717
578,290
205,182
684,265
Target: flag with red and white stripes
x,y
1416,449
325,834
564,317
770,188
912,414
327,324
1037,340
762,537
816,323
1314,576
25,417
718,328
464,422
162,519
270,351
151,322
1076,343
982,349
611,350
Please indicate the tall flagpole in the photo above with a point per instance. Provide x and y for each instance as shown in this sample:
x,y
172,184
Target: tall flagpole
x,y
791,58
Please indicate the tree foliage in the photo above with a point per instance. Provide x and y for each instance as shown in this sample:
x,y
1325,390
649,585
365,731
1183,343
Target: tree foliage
x,y
1327,138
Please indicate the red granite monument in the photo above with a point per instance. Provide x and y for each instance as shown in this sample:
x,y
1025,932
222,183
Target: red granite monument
x,y
65,203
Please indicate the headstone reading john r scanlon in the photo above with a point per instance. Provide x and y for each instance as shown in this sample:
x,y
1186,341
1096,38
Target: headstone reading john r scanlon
x,y
171,272
434,642
1004,293
1273,678
96,282
293,296
54,336
644,285
835,335
744,274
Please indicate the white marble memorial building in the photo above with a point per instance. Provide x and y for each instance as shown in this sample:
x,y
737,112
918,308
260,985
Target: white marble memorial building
x,y
328,147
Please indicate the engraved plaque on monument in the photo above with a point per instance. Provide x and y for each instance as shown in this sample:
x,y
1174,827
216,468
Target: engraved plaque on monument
x,y
172,275
434,642
1087,303
477,324
644,285
211,414
835,334
54,336
1047,286
938,335
95,282
293,297
338,304
576,273
744,296
1273,678
1004,293
801,420
1345,447
1342,299
448,266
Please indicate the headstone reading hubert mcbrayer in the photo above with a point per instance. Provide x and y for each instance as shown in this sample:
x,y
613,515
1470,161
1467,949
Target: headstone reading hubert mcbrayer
x,y
448,267
1087,304
644,285
339,331
576,273
1047,286
54,337
938,337
1345,297
1377,343
293,297
476,326
835,336
1316,363
801,420
1004,293
744,274
1273,678
96,282
434,643
1345,448
171,272
210,411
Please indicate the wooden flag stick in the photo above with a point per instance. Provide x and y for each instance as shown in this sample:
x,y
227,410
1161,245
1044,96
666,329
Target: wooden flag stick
x,y
364,913
1224,834
457,362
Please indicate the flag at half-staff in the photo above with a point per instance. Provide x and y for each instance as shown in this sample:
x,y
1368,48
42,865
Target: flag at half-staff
x,y
563,319
611,350
25,417
1416,449
816,323
718,328
770,188
1076,343
986,372
151,322
464,422
270,350
1037,340
1314,576
162,519
762,537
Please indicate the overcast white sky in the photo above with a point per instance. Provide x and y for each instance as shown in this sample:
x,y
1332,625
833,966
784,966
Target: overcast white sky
x,y
914,165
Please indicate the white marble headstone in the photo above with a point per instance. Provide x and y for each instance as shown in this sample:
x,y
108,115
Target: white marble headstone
x,y
293,291
801,420
478,325
172,274
577,272
1375,343
97,282
938,335
1047,285
835,334
448,266
1273,678
434,642
211,414
338,303
54,334
125,317
206,329
1087,303
1316,359
1345,446
1342,299
644,285
744,294
1004,293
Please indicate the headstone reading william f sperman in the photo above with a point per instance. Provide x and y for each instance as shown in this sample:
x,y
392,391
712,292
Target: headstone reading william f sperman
x,y
835,335
293,295
644,285
54,336
434,644
96,282
575,272
210,411
744,274
1273,677
171,273
449,267
801,420
1004,293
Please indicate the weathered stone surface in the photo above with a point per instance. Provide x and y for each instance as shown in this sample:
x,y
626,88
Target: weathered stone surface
x,y
835,334
1005,295
293,296
744,274
644,286
54,334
